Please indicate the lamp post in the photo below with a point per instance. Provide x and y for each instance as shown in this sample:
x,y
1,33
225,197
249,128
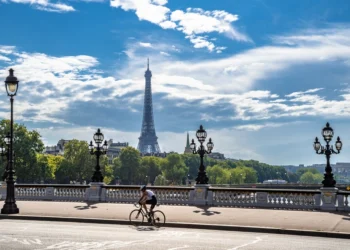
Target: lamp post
x,y
201,134
327,133
98,151
10,207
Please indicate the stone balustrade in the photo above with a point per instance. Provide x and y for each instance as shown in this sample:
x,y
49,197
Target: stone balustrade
x,y
343,200
51,192
131,194
212,196
273,198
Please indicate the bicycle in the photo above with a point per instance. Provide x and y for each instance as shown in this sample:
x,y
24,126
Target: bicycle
x,y
137,217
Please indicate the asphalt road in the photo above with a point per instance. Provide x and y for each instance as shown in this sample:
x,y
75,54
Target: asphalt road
x,y
15,234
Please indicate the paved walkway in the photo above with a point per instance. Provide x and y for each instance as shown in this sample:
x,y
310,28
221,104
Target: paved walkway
x,y
270,218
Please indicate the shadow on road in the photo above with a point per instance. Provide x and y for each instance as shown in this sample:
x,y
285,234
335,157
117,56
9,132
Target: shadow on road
x,y
206,211
147,229
89,205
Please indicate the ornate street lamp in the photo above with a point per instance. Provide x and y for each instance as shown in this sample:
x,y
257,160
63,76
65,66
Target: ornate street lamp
x,y
328,133
98,151
201,134
5,152
10,207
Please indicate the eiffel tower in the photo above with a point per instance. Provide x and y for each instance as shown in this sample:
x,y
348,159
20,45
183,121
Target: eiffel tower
x,y
148,143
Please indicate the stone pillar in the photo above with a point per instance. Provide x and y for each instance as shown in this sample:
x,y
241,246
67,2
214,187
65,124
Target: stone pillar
x,y
329,198
49,191
261,199
201,194
94,192
341,205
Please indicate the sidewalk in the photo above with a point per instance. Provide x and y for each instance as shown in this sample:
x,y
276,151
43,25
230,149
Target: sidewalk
x,y
247,219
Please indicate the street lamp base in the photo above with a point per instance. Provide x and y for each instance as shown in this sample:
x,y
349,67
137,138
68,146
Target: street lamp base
x,y
10,208
202,178
328,181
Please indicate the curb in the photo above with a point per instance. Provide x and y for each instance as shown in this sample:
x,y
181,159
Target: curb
x,y
270,230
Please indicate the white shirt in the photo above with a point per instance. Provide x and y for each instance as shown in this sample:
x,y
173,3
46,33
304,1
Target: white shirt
x,y
149,194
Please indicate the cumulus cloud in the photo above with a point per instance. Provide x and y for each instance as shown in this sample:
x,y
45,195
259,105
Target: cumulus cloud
x,y
193,22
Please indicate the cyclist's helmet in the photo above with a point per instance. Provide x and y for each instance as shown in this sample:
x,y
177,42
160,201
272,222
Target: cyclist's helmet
x,y
143,187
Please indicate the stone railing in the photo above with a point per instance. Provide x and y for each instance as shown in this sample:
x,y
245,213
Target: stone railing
x,y
131,194
51,192
273,198
197,195
343,199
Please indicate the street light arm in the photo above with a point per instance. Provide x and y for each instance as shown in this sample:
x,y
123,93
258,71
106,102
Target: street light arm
x,y
335,152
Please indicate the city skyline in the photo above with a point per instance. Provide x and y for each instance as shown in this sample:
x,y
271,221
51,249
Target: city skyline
x,y
263,78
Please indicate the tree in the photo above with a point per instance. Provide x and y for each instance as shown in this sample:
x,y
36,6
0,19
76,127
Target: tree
x,y
310,178
160,181
130,160
77,154
116,168
48,164
218,174
192,161
174,169
150,168
26,144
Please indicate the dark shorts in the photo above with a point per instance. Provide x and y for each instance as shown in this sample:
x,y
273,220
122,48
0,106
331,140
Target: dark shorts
x,y
153,202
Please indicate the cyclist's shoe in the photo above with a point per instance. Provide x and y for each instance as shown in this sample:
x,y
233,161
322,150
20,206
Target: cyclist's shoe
x,y
149,220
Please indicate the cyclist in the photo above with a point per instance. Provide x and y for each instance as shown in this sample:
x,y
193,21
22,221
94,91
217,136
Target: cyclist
x,y
147,197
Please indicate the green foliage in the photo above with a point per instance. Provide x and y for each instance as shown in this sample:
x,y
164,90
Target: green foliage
x,y
218,174
311,178
174,169
150,168
48,164
160,180
26,145
130,161
78,164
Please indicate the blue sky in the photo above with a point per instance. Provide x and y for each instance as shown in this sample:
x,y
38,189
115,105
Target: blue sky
x,y
262,76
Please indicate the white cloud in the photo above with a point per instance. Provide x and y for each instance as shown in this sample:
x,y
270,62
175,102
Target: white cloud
x,y
167,25
6,49
194,22
201,42
45,5
4,58
228,81
152,11
146,45
164,53
256,127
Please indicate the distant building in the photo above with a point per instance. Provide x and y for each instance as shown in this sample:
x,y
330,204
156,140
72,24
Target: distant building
x,y
216,156
114,149
58,149
161,155
188,149
341,168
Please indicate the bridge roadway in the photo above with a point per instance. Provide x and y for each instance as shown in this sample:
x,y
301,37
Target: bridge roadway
x,y
315,221
42,235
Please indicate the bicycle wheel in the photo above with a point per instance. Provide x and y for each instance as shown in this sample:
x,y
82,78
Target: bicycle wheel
x,y
136,217
158,218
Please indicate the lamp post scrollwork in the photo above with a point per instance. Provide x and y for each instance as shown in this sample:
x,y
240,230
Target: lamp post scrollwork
x,y
201,134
